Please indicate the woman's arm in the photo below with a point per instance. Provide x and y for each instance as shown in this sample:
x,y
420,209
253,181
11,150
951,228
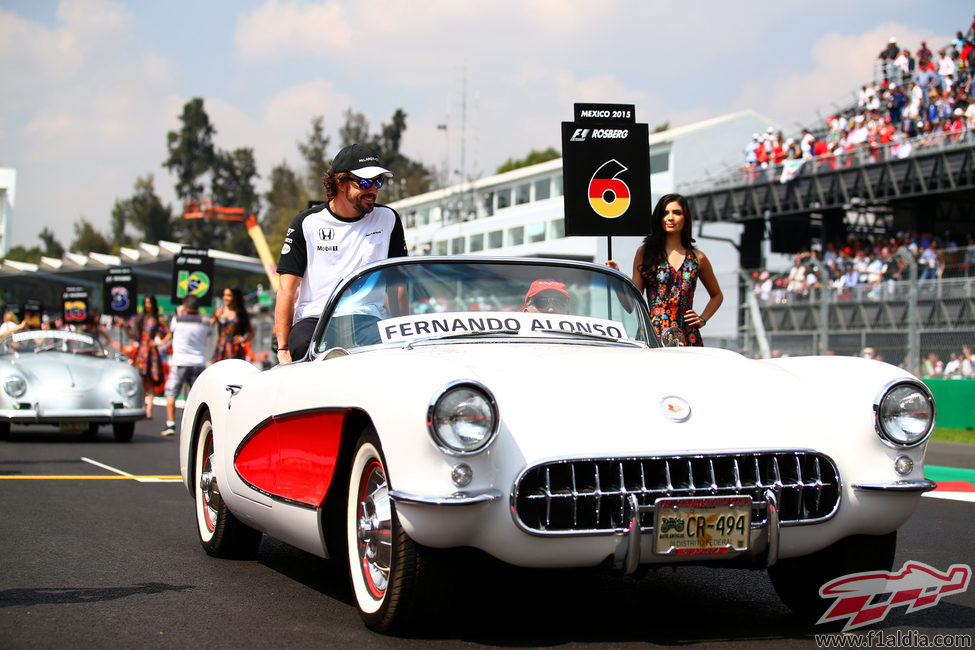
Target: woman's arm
x,y
637,276
710,282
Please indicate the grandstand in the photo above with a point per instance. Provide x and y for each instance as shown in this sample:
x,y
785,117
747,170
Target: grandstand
x,y
890,179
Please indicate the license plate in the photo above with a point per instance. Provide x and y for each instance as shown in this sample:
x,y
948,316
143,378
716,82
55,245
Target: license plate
x,y
72,427
702,525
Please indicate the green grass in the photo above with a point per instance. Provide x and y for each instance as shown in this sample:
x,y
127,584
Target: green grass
x,y
954,435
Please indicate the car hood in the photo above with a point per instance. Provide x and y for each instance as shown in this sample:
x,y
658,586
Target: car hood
x,y
65,371
602,401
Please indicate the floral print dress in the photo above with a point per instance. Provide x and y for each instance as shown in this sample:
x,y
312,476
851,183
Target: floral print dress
x,y
226,348
147,357
673,295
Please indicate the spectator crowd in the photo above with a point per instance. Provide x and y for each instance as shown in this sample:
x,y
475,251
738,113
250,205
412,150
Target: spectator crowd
x,y
872,268
918,100
961,365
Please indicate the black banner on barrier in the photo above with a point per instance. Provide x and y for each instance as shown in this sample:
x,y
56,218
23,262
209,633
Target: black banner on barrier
x,y
606,171
120,292
76,302
193,275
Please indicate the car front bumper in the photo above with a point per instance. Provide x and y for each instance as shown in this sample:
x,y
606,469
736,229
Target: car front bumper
x,y
37,414
484,519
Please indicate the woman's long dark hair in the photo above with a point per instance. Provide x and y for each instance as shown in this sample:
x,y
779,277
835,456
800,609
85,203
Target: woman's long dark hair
x,y
152,312
654,246
243,319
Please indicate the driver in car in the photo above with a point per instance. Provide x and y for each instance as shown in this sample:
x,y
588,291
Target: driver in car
x,y
547,297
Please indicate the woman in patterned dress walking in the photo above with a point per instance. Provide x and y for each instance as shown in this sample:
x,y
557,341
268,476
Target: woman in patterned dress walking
x,y
234,328
667,266
149,331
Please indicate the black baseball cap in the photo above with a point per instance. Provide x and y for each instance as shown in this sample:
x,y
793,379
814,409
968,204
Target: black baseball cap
x,y
359,160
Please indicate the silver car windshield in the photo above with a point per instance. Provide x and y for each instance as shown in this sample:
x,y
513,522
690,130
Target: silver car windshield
x,y
471,299
41,341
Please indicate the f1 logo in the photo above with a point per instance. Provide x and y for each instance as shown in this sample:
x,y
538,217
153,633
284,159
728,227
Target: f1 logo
x,y
579,135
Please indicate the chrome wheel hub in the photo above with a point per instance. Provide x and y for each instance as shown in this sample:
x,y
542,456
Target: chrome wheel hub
x,y
209,490
374,529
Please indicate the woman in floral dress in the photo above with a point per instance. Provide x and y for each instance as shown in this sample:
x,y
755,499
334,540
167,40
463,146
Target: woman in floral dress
x,y
234,328
148,332
667,267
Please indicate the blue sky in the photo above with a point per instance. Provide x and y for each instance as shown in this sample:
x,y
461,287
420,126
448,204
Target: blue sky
x,y
91,87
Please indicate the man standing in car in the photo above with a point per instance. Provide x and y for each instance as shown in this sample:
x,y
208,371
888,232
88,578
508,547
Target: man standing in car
x,y
330,240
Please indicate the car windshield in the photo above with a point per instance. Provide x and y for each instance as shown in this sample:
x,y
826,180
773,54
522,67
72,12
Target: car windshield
x,y
40,341
417,300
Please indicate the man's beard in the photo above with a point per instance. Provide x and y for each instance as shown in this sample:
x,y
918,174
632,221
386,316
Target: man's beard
x,y
360,203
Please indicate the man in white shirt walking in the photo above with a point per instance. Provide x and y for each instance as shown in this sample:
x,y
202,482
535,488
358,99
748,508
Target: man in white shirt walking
x,y
189,331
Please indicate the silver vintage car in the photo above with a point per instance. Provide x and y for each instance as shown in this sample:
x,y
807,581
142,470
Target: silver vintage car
x,y
67,379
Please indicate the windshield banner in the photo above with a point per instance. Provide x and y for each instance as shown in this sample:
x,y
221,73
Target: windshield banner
x,y
405,328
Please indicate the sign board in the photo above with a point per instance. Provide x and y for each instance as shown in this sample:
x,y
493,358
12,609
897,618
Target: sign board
x,y
537,324
120,292
32,311
193,275
606,171
76,302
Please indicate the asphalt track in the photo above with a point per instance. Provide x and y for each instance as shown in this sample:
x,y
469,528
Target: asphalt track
x,y
98,549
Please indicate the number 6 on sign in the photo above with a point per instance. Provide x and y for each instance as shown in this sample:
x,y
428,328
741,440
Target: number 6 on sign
x,y
608,195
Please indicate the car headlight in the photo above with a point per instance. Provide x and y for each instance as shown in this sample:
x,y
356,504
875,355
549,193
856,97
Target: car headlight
x,y
127,387
463,419
905,413
14,385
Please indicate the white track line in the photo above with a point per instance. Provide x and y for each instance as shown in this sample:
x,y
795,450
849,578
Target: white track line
x,y
140,479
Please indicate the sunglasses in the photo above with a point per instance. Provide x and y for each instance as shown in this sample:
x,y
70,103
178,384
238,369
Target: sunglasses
x,y
367,183
543,302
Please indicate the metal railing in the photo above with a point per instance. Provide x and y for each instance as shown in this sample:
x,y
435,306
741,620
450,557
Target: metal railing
x,y
922,320
863,154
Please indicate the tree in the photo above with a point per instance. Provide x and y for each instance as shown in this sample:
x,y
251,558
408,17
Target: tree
x,y
191,155
355,130
191,150
533,158
315,153
20,254
232,185
52,247
409,177
286,198
392,133
145,212
88,239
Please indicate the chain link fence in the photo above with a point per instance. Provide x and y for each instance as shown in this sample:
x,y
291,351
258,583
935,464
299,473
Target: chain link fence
x,y
912,309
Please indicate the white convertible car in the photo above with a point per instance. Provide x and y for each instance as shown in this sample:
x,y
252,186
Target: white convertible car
x,y
524,408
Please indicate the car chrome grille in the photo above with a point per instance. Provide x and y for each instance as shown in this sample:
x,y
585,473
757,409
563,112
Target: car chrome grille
x,y
591,495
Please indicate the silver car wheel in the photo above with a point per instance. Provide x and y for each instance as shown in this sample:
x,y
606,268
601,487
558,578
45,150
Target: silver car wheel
x,y
373,526
208,494
221,533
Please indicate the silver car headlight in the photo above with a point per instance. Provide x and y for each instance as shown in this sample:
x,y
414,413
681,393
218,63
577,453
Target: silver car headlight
x,y
463,418
127,387
905,413
14,385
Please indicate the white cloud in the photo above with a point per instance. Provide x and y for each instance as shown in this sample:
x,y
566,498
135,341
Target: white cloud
x,y
277,27
840,64
91,90
86,117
